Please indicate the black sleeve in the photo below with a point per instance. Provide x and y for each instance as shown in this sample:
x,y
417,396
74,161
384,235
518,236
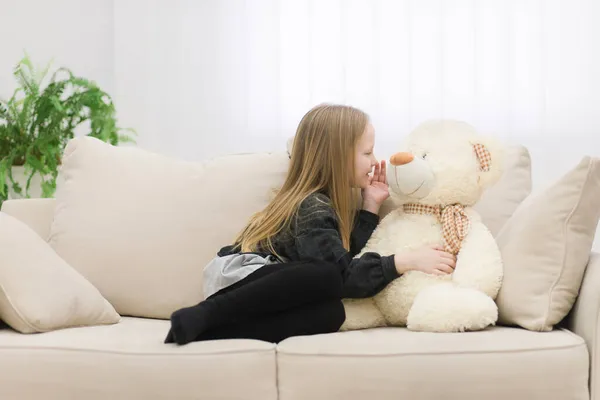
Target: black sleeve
x,y
317,237
364,225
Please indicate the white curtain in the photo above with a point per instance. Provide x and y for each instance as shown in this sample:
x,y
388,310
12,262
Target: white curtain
x,y
201,78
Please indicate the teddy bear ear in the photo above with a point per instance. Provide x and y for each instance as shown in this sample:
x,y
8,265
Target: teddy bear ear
x,y
483,155
490,155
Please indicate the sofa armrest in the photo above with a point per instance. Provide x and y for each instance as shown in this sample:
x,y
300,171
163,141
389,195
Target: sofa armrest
x,y
584,320
35,213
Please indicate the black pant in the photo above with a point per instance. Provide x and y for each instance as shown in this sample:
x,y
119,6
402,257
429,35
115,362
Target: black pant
x,y
271,304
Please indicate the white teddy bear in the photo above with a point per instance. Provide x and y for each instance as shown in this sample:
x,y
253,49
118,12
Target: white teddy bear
x,y
441,173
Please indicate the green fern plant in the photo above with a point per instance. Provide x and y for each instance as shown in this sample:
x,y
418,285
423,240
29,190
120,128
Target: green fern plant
x,y
39,119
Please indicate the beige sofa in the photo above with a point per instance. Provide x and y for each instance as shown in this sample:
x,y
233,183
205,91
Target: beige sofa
x,y
128,359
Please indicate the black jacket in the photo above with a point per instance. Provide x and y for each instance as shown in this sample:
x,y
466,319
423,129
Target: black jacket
x,y
314,234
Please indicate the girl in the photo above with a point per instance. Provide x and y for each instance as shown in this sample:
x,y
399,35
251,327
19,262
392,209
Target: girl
x,y
313,232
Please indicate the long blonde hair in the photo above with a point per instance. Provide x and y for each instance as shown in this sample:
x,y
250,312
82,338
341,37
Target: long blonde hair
x,y
322,159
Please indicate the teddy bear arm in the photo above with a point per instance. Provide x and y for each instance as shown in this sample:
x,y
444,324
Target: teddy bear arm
x,y
479,262
382,238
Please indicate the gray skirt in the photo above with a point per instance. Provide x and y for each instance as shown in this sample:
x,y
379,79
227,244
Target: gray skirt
x,y
222,272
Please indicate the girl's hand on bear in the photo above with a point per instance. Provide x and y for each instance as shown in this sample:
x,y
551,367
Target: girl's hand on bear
x,y
428,259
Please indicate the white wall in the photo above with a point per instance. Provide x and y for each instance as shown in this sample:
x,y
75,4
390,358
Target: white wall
x,y
76,34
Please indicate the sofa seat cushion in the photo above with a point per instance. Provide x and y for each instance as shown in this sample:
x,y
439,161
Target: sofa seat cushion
x,y
395,363
130,361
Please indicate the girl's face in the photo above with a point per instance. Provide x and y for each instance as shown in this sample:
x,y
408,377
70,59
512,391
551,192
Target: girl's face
x,y
364,160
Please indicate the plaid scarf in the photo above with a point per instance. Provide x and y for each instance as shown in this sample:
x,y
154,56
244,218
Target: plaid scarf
x,y
454,220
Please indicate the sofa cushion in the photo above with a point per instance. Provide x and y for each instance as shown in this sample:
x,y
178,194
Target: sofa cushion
x,y
130,361
129,221
39,291
141,226
545,248
394,363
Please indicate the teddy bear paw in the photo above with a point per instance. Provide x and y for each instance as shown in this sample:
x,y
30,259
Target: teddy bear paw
x,y
450,308
361,314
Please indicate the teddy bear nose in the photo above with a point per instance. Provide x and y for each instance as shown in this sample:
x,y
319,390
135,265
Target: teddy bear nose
x,y
401,158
